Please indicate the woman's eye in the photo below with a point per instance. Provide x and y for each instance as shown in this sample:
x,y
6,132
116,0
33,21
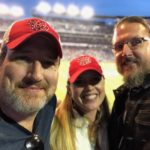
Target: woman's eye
x,y
47,64
21,58
25,59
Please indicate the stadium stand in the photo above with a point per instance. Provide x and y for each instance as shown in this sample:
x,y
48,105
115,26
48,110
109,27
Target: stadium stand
x,y
78,36
81,36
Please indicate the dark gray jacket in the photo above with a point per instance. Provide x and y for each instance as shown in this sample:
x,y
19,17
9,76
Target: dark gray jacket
x,y
131,130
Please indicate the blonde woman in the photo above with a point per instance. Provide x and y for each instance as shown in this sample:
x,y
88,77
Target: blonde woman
x,y
80,122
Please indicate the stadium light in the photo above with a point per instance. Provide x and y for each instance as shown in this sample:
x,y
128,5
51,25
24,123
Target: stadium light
x,y
87,12
43,8
16,11
58,8
72,10
4,9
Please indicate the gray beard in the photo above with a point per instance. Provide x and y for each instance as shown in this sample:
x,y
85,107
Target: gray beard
x,y
10,100
134,81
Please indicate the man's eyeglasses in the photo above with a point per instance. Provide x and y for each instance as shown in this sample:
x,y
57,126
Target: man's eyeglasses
x,y
132,43
91,81
34,143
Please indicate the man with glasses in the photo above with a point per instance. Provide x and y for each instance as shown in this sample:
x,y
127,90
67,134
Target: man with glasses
x,y
129,127
29,62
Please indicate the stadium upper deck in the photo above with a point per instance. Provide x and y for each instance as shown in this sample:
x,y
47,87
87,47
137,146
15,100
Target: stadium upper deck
x,y
79,36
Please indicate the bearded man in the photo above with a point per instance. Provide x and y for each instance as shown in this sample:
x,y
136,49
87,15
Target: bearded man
x,y
129,126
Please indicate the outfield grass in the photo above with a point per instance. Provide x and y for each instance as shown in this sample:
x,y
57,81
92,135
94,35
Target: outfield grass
x,y
112,80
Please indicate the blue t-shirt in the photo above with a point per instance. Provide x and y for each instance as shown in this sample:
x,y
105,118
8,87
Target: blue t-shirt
x,y
13,136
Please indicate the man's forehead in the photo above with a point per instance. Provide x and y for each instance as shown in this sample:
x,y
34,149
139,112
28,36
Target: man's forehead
x,y
130,27
129,30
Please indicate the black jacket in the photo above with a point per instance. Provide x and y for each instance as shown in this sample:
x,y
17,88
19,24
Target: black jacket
x,y
13,136
129,125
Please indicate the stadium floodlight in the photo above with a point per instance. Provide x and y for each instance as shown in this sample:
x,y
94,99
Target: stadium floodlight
x,y
72,10
43,8
4,9
16,11
59,8
87,12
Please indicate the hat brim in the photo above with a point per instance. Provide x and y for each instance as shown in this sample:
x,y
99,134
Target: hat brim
x,y
73,78
18,41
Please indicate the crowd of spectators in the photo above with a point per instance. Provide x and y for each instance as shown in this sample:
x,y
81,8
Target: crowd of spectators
x,y
79,37
100,55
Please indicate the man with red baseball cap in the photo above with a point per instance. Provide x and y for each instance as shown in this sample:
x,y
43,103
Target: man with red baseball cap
x,y
29,63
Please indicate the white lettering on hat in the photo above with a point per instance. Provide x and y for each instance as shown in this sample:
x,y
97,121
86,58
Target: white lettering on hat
x,y
38,25
84,60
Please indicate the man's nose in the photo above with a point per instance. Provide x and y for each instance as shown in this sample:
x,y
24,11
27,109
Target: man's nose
x,y
36,71
126,51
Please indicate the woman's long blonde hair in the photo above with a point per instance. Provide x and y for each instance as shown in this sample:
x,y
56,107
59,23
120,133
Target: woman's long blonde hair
x,y
63,130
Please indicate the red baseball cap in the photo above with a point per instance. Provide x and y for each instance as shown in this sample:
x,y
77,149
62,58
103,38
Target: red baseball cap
x,y
22,30
81,64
